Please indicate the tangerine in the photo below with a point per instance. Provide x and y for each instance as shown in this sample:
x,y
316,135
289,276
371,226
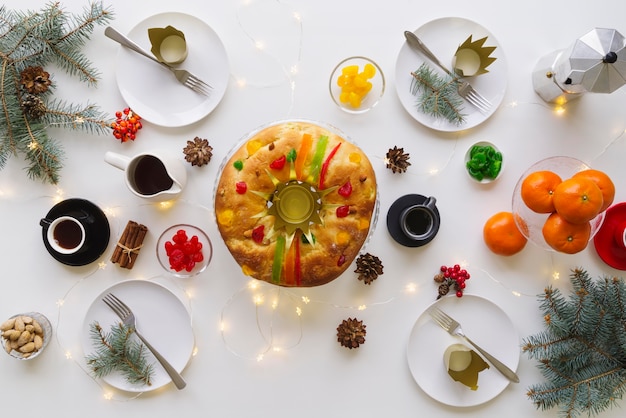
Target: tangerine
x,y
604,182
578,200
564,236
538,189
502,236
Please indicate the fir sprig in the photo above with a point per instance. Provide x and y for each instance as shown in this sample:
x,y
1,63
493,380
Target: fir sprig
x,y
582,351
437,95
37,39
117,351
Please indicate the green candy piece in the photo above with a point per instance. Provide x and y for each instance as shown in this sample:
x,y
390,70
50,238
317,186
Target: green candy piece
x,y
484,162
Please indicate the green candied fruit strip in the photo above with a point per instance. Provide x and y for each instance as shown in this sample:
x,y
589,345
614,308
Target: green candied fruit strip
x,y
291,155
238,165
318,157
279,256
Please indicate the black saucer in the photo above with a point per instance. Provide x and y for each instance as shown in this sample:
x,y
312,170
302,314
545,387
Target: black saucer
x,y
97,231
393,220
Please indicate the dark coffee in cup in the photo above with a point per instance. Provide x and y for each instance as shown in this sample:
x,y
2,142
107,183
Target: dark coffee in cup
x,y
149,176
65,235
68,234
420,222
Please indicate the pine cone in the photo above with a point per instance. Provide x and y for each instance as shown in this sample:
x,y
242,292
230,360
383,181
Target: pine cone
x,y
397,160
351,333
443,289
198,152
35,80
369,267
33,106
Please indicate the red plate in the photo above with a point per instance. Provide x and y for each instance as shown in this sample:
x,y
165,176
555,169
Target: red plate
x,y
604,240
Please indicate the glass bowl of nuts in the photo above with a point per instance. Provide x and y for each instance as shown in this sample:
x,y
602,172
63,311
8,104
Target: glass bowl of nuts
x,y
357,84
24,336
184,250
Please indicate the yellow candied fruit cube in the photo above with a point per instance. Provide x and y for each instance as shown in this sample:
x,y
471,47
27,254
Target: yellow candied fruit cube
x,y
360,80
354,99
350,70
354,157
253,146
342,238
226,217
344,80
369,70
364,223
344,96
246,270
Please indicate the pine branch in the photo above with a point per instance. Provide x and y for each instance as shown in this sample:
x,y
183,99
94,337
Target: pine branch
x,y
581,352
438,95
28,41
117,351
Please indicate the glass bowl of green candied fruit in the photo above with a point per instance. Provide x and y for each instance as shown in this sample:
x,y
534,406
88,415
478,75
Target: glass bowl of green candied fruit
x,y
483,162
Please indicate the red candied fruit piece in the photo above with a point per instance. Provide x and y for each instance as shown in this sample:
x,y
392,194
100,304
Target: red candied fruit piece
x,y
278,163
341,260
258,234
183,253
342,211
241,187
345,190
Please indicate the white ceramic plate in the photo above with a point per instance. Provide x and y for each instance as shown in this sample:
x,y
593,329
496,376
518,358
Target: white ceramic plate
x,y
443,37
153,92
162,319
487,325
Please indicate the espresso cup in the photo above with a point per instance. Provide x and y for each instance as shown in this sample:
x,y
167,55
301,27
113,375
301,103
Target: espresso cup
x,y
65,234
155,176
420,222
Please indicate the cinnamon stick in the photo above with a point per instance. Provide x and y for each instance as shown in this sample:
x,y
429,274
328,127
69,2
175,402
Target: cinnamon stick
x,y
117,252
136,246
129,244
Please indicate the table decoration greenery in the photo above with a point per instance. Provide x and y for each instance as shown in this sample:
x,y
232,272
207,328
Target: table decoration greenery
x,y
437,94
31,44
582,351
117,351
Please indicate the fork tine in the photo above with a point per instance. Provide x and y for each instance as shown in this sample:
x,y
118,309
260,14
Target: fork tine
x,y
116,305
440,317
478,100
198,85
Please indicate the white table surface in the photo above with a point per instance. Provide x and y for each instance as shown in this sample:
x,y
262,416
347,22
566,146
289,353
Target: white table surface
x,y
315,376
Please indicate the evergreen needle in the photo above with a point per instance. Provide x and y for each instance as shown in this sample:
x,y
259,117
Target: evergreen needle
x,y
437,95
582,351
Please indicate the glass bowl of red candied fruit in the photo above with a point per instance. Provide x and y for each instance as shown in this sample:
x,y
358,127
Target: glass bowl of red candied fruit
x,y
357,84
184,250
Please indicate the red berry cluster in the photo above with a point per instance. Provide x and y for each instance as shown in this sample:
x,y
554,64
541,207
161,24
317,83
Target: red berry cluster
x,y
126,125
183,252
451,278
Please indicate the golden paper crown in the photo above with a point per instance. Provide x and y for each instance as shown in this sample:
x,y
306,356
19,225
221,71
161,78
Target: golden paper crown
x,y
472,58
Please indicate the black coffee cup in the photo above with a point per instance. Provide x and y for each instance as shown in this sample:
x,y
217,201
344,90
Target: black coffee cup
x,y
420,222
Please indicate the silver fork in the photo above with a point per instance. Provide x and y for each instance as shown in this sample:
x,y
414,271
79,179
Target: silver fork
x,y
128,318
464,88
454,328
183,76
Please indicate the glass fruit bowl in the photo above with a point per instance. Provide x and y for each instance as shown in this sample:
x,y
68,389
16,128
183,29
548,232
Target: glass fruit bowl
x,y
26,335
178,265
356,84
531,223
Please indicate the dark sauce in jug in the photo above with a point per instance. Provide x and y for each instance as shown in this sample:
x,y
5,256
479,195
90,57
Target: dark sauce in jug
x,y
151,176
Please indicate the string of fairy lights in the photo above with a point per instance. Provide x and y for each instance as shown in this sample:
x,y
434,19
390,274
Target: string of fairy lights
x,y
260,296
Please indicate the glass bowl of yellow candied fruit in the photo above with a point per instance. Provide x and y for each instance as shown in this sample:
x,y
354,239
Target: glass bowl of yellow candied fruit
x,y
357,84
